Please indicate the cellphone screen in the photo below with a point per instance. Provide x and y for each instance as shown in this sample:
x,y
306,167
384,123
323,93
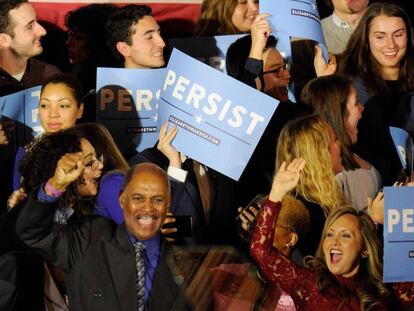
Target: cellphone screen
x,y
183,225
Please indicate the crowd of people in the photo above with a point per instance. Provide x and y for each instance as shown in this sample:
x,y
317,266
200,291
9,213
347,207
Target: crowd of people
x,y
86,227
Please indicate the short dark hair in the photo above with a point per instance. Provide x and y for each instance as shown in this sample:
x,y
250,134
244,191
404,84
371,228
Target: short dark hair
x,y
118,27
70,81
5,7
238,52
142,167
90,20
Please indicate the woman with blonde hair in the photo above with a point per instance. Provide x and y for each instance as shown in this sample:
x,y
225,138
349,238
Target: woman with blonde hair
x,y
218,17
313,140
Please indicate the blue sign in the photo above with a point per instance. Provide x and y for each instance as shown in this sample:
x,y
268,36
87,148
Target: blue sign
x,y
209,50
398,234
220,119
294,18
127,105
404,145
23,107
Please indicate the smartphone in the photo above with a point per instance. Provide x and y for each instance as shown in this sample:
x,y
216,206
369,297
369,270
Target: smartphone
x,y
183,224
256,202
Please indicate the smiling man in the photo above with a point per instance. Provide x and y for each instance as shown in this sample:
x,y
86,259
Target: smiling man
x,y
110,267
20,35
134,37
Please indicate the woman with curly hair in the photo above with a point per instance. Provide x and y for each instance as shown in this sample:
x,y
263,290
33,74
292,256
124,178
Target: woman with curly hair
x,y
228,17
37,167
40,162
346,272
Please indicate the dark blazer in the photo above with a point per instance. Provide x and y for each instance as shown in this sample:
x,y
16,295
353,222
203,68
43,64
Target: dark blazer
x,y
98,260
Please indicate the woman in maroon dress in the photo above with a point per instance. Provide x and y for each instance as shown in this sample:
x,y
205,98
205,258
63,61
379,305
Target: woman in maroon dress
x,y
346,272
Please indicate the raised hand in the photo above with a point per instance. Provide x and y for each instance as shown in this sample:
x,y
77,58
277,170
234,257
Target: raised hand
x,y
321,67
376,207
6,130
68,169
164,145
167,231
286,179
247,217
260,33
16,197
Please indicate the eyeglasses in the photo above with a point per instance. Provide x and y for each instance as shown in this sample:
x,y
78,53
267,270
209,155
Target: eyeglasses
x,y
94,163
279,71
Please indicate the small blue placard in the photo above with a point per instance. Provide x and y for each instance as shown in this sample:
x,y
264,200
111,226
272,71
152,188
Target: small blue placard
x,y
398,234
127,104
23,107
294,18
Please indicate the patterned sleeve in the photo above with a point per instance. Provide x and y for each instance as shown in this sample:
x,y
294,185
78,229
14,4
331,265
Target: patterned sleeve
x,y
404,292
294,279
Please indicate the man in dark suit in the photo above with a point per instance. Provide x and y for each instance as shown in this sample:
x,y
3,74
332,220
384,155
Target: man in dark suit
x,y
97,255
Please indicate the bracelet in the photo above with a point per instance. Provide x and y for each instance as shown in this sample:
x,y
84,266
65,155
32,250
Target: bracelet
x,y
54,192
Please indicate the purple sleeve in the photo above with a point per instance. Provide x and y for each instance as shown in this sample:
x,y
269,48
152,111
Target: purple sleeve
x,y
16,175
42,196
107,203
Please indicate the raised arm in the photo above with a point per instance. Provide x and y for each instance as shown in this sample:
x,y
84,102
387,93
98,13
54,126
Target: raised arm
x,y
59,244
273,264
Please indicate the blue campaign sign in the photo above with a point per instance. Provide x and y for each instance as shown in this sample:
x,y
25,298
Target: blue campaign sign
x,y
128,105
294,18
220,119
398,234
404,145
23,107
209,50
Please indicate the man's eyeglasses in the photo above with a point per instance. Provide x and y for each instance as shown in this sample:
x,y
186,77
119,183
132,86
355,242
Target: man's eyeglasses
x,y
279,71
94,163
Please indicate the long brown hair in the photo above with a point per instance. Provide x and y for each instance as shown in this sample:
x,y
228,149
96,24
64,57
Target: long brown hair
x,y
358,61
215,18
101,139
328,96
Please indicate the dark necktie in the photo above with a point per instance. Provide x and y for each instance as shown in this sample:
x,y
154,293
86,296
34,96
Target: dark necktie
x,y
139,261
205,187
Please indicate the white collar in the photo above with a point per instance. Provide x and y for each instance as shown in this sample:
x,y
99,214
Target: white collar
x,y
339,22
